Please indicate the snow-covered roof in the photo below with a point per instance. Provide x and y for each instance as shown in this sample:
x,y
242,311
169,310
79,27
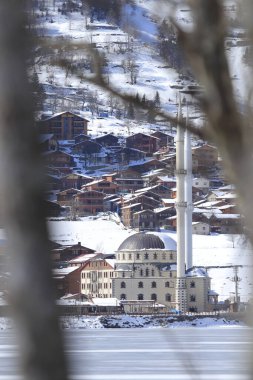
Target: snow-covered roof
x,y
106,301
196,272
63,271
83,258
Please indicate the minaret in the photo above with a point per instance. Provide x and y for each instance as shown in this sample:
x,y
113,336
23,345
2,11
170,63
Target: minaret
x,y
188,197
181,301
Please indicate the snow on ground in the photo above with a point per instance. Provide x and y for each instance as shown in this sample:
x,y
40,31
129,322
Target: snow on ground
x,y
127,321
105,235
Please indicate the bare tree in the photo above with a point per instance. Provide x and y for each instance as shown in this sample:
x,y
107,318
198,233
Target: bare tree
x,y
32,294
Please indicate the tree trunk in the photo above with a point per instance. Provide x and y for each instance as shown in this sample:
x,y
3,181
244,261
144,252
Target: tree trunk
x,y
31,287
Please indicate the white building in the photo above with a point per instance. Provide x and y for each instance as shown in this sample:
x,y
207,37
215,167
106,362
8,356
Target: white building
x,y
146,269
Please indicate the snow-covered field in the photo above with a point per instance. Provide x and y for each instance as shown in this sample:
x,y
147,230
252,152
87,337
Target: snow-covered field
x,y
127,321
105,234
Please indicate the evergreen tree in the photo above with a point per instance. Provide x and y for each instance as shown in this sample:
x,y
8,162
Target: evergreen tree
x,y
38,91
130,111
157,102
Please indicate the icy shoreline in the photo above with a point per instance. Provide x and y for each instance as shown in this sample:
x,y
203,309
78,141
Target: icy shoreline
x,y
128,321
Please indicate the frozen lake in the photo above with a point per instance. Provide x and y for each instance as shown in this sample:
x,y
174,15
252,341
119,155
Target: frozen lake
x,y
147,354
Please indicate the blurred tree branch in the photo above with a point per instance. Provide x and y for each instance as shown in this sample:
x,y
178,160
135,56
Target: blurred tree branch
x,y
22,184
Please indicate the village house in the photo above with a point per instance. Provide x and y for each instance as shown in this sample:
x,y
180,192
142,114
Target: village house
x,y
96,278
59,160
206,156
136,203
82,137
63,254
146,166
159,190
226,223
66,197
87,148
200,228
67,280
162,213
64,126
102,185
144,220
125,155
165,140
128,211
48,142
52,209
52,182
107,140
201,183
89,202
74,180
146,143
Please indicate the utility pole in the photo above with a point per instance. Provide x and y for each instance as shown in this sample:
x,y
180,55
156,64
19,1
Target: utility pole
x,y
236,280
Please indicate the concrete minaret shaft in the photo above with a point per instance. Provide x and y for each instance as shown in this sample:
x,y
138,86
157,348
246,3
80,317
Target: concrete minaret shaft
x,y
181,300
188,197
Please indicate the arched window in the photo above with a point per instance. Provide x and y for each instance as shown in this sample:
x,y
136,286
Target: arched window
x,y
152,272
140,284
123,284
192,284
146,256
192,298
168,297
155,256
171,256
123,296
154,297
141,272
167,284
153,284
140,297
147,272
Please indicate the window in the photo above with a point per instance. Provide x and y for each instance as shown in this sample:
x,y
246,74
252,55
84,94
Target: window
x,y
146,256
170,274
152,272
168,297
154,297
140,284
141,272
123,284
171,256
123,256
153,284
129,256
140,297
167,284
155,256
192,284
137,256
123,274
147,272
192,298
123,296
163,255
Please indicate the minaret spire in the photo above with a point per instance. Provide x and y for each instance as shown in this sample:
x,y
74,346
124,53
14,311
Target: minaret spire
x,y
181,301
188,196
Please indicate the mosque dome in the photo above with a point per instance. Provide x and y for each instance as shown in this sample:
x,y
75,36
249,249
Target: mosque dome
x,y
147,240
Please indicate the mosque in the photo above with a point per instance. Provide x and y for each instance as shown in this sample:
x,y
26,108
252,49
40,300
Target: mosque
x,y
151,266
146,269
